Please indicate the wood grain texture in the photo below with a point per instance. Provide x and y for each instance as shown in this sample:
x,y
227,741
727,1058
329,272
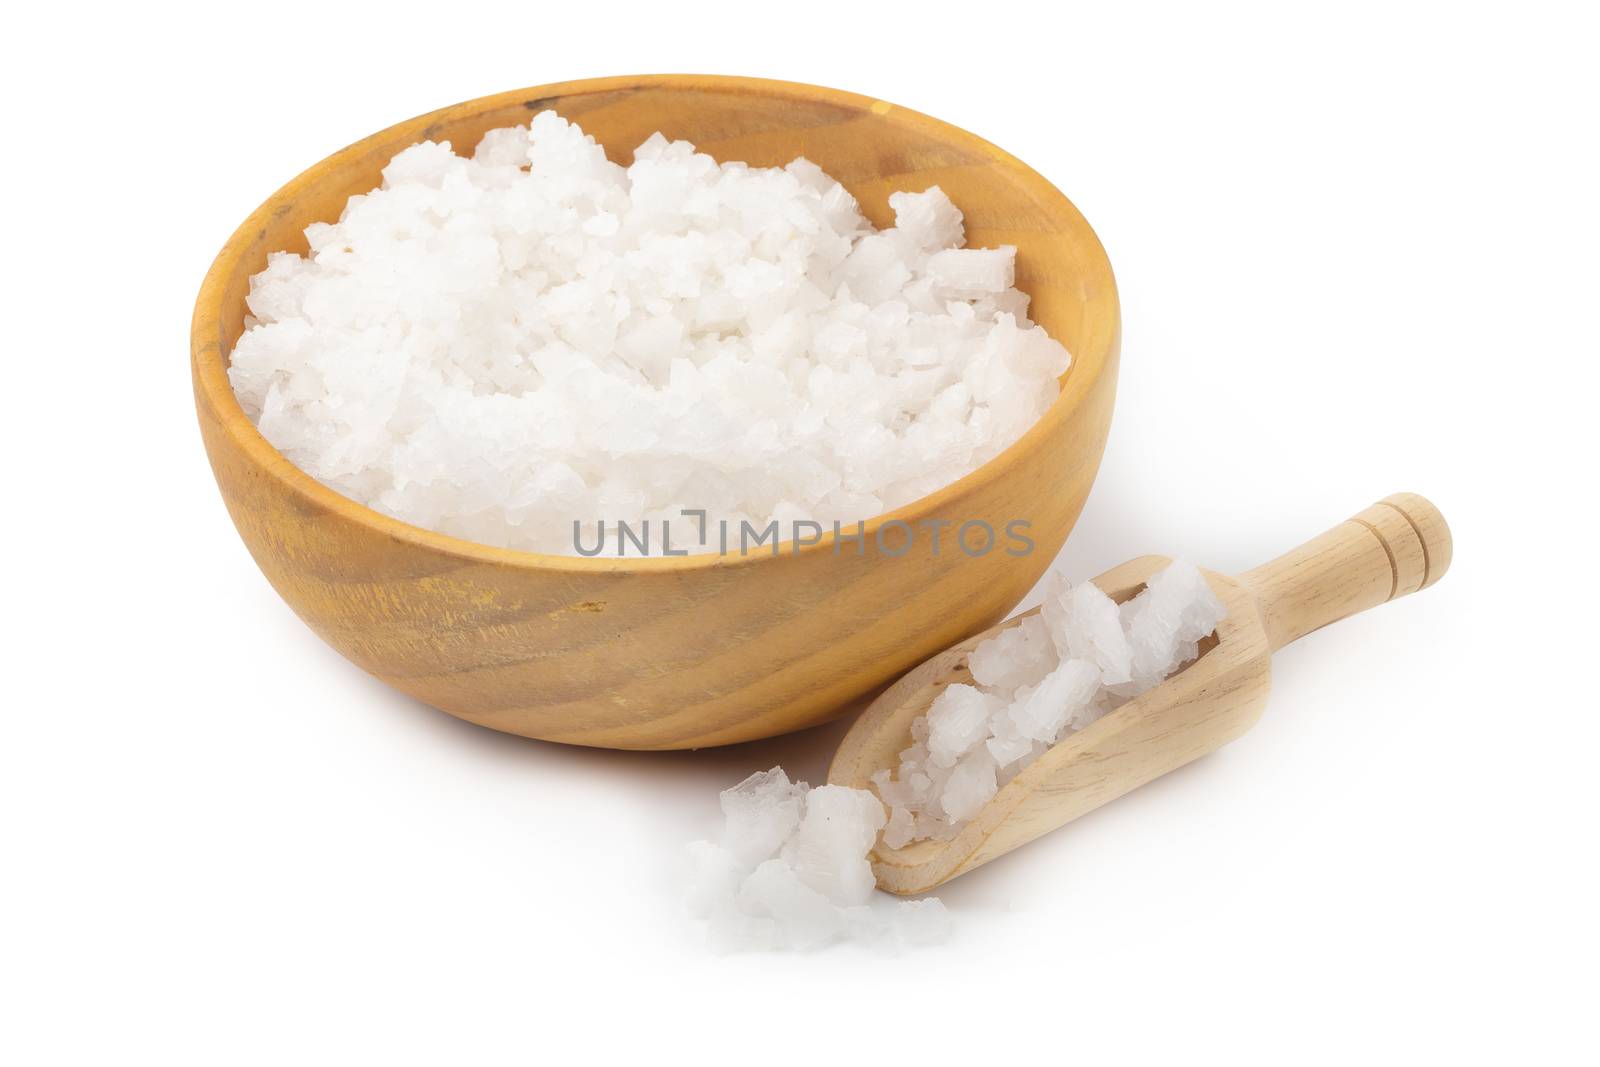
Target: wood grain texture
x,y
1395,547
689,652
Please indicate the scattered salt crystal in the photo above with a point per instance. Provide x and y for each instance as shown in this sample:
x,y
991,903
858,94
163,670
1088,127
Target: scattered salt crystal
x,y
921,922
793,872
806,918
828,850
904,925
1037,682
761,813
731,930
498,346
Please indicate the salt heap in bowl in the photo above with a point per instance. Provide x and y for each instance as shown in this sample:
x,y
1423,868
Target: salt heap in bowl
x,y
497,347
792,872
1039,681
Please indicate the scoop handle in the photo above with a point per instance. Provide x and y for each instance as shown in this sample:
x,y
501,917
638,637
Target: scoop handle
x,y
1397,546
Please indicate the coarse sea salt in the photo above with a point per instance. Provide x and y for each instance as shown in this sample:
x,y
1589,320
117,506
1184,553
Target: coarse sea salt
x,y
499,346
1037,682
791,872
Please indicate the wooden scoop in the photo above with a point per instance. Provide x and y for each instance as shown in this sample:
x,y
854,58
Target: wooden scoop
x,y
1395,547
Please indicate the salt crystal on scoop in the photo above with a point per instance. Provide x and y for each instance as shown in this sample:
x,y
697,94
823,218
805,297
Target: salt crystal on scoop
x,y
1037,682
968,786
1016,656
1041,711
957,721
1165,623
1086,624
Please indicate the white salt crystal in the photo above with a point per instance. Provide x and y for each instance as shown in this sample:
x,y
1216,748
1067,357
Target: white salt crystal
x,y
805,917
762,812
890,791
972,270
1085,624
496,346
899,830
958,720
921,922
1007,743
903,925
1165,621
796,872
970,786
1017,656
828,851
927,221
1040,711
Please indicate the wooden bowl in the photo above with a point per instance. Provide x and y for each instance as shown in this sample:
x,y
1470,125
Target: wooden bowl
x,y
699,650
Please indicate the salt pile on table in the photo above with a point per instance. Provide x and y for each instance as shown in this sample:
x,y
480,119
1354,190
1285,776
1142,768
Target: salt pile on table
x,y
792,872
493,347
1047,677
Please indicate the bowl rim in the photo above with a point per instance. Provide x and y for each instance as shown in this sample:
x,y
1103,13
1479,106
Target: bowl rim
x,y
213,390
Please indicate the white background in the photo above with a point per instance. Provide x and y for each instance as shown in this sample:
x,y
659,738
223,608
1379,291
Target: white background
x,y
1357,254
